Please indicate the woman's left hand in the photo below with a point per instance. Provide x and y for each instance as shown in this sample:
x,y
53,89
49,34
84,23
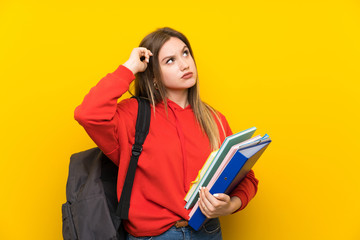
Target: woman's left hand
x,y
217,205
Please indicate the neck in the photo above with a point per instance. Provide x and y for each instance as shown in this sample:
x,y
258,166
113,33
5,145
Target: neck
x,y
180,97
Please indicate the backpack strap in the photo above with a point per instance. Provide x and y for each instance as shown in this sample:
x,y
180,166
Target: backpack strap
x,y
142,130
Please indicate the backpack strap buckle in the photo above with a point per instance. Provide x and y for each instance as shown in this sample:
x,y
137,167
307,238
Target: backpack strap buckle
x,y
136,150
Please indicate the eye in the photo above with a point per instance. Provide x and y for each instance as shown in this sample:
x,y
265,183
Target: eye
x,y
170,60
186,53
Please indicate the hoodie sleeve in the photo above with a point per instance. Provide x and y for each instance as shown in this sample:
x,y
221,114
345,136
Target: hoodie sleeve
x,y
102,117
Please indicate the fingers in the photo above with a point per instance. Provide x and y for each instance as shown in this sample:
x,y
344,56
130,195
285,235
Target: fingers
x,y
216,199
144,54
208,203
204,204
204,210
213,205
139,59
222,197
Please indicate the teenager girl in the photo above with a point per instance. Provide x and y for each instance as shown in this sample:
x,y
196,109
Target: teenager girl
x,y
183,132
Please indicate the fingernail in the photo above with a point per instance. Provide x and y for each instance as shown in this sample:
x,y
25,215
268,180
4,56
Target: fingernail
x,y
216,195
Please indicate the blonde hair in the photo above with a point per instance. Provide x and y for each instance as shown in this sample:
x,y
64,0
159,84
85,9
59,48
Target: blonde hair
x,y
144,86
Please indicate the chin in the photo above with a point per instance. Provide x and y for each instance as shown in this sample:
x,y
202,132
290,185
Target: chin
x,y
191,82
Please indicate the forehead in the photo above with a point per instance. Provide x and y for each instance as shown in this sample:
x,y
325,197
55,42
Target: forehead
x,y
171,47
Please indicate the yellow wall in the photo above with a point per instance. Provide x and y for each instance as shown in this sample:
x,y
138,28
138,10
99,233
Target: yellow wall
x,y
290,68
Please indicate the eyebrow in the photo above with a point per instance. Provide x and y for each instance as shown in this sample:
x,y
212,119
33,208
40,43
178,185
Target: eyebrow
x,y
171,56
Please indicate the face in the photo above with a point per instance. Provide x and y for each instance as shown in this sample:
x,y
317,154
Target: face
x,y
177,67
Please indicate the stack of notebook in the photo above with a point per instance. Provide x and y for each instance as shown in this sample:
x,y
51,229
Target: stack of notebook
x,y
225,168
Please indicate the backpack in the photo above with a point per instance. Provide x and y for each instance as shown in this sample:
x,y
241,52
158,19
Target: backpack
x,y
92,210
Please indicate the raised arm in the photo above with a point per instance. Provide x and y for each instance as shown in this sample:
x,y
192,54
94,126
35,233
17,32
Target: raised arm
x,y
99,113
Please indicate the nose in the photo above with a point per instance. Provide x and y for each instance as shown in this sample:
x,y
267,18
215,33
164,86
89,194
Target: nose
x,y
183,64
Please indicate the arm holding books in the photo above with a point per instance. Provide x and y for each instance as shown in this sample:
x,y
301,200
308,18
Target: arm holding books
x,y
216,205
246,190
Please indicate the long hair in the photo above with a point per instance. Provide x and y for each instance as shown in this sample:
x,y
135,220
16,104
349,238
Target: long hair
x,y
144,86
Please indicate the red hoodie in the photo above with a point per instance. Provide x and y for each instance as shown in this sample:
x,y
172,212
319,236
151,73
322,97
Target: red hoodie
x,y
173,152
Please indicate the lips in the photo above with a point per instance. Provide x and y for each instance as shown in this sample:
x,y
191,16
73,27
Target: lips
x,y
187,75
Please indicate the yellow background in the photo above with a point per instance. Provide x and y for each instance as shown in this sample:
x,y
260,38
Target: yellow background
x,y
290,68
